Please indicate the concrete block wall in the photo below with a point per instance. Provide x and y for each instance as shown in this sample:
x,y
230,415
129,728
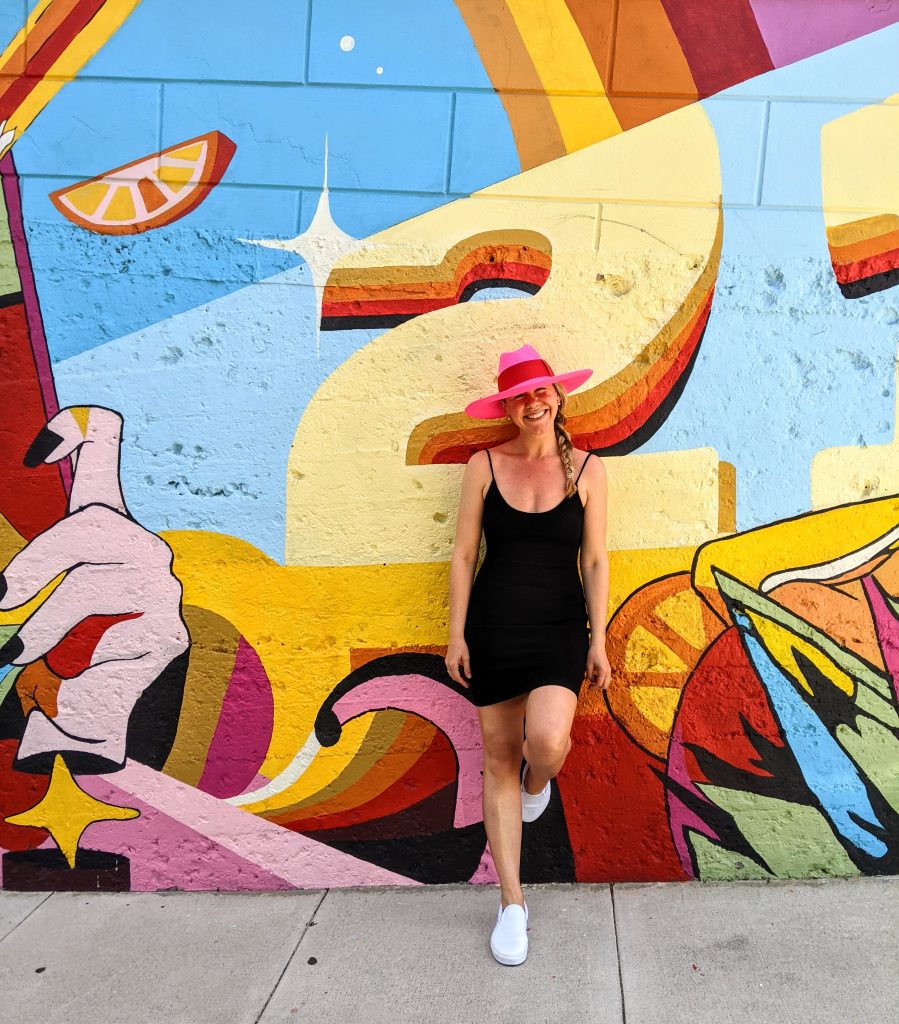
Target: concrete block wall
x,y
255,260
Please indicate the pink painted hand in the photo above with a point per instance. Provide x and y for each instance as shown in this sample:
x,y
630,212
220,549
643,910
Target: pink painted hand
x,y
110,566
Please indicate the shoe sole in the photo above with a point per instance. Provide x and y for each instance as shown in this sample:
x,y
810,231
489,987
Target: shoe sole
x,y
508,961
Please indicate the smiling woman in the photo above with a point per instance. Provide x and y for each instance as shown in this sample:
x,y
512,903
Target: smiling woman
x,y
519,632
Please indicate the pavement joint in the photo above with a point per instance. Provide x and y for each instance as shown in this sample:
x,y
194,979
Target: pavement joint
x,y
296,948
37,906
618,954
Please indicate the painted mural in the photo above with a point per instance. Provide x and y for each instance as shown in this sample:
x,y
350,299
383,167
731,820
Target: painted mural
x,y
253,265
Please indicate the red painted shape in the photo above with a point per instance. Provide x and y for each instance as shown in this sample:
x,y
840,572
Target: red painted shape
x,y
19,791
720,40
72,655
723,691
615,807
30,499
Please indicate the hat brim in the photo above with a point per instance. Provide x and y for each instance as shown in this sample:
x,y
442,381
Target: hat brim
x,y
491,407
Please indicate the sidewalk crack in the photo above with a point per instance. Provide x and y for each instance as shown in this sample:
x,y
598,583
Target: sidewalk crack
x,y
618,955
290,958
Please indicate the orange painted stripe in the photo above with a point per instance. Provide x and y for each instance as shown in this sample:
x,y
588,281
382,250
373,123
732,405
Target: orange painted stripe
x,y
595,20
651,76
511,70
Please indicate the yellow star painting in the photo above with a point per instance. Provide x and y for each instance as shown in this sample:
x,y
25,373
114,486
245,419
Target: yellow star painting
x,y
65,811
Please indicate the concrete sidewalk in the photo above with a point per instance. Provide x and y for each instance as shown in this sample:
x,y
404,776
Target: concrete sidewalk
x,y
811,952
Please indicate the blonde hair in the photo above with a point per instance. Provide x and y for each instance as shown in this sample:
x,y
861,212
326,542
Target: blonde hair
x,y
564,442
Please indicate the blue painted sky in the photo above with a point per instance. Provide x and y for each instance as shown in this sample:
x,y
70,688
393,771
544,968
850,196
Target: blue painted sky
x,y
215,64
787,366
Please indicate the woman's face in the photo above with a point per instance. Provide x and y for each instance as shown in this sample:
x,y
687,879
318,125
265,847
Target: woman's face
x,y
533,411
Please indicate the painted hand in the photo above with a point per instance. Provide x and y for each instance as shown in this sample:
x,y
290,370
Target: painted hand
x,y
110,626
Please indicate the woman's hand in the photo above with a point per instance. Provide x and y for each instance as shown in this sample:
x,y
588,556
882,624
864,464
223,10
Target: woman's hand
x,y
599,671
457,662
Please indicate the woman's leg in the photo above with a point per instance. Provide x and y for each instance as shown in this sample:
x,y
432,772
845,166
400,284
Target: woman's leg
x,y
548,717
502,727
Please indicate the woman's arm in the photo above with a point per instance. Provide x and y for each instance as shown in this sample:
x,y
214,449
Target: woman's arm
x,y
595,572
463,563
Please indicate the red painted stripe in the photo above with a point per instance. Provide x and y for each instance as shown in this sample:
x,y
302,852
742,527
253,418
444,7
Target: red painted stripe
x,y
846,273
720,40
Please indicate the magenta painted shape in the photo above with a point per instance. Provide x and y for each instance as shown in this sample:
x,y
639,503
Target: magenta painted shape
x,y
244,728
680,817
794,30
887,627
453,715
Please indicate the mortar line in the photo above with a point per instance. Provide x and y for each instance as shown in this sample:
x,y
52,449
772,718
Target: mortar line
x,y
308,54
25,918
448,173
763,154
618,954
292,955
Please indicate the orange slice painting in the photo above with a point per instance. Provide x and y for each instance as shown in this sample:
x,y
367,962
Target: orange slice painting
x,y
149,192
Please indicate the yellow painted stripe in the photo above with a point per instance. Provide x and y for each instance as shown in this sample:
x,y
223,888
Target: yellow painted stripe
x,y
85,45
564,65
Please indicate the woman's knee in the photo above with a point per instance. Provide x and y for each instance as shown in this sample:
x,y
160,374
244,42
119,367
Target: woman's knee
x,y
548,746
502,759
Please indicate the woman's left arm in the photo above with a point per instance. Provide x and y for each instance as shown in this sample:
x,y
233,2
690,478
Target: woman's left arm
x,y
595,572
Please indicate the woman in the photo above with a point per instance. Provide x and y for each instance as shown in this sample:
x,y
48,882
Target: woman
x,y
519,637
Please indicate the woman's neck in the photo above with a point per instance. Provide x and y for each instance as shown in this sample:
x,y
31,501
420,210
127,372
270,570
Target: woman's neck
x,y
534,447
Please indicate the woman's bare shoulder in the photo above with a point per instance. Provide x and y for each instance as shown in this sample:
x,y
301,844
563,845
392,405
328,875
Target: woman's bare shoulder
x,y
478,469
589,465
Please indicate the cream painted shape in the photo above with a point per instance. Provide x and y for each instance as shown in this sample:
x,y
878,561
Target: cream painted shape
x,y
632,223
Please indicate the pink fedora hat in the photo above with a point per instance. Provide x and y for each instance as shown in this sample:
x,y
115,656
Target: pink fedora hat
x,y
522,370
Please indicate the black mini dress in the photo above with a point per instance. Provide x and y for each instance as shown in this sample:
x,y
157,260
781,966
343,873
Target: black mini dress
x,y
526,624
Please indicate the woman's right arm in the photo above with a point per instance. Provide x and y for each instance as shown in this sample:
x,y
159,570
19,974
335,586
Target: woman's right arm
x,y
463,563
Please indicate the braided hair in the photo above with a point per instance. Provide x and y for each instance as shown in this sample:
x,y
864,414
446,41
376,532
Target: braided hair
x,y
564,442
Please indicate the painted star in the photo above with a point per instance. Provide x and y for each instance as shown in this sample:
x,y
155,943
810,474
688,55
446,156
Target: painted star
x,y
66,811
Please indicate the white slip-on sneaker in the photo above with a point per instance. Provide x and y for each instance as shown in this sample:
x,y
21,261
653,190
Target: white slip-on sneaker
x,y
509,941
532,804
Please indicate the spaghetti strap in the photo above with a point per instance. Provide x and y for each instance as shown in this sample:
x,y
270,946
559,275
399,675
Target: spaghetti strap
x,y
584,463
487,450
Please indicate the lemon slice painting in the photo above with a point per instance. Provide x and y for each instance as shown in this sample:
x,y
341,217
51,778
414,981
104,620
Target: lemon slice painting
x,y
149,192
